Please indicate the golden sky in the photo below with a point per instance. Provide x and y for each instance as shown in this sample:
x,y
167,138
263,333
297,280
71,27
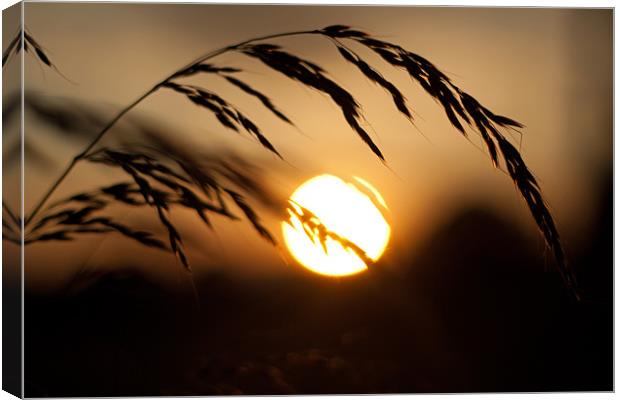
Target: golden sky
x,y
550,69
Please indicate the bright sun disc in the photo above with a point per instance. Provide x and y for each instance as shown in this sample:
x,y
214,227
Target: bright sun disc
x,y
348,210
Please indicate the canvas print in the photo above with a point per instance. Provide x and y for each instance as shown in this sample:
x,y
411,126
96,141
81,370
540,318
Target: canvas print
x,y
206,199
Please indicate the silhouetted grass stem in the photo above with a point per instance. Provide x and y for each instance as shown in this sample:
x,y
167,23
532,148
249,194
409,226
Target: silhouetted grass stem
x,y
125,110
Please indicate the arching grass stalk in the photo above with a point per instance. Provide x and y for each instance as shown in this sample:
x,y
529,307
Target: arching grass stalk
x,y
128,108
147,175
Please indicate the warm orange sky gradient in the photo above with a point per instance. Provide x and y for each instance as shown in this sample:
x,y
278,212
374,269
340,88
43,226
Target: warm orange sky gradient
x,y
550,69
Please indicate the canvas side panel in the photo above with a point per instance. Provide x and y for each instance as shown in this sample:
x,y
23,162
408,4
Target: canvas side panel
x,y
11,200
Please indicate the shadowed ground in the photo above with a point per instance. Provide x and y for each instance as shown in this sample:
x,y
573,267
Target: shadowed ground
x,y
475,311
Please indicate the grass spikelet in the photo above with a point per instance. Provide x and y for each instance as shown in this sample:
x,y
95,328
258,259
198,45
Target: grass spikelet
x,y
316,230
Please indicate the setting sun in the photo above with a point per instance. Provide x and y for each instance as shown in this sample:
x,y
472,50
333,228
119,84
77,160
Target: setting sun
x,y
336,228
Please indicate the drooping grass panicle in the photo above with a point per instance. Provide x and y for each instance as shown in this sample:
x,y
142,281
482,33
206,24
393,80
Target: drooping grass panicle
x,y
312,75
461,109
227,114
152,184
459,105
399,99
260,96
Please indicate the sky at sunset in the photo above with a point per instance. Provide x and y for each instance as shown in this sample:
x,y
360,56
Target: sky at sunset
x,y
547,68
